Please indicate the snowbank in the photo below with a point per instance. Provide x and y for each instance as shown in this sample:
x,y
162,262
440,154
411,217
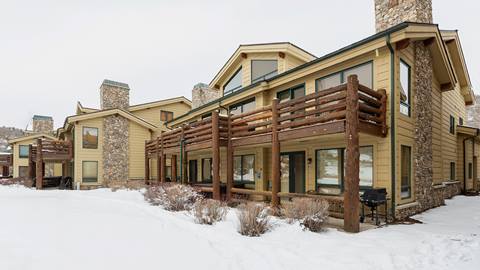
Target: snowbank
x,y
100,229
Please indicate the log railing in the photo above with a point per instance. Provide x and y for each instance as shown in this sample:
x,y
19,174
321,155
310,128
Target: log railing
x,y
6,160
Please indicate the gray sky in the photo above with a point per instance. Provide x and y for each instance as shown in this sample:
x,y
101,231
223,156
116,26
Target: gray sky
x,y
54,53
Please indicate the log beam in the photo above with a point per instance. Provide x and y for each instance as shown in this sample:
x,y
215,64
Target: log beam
x,y
352,181
403,44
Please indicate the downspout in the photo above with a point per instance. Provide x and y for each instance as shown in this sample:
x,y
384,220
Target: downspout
x,y
392,123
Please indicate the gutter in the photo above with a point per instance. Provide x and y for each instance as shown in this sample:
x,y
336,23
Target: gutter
x,y
392,123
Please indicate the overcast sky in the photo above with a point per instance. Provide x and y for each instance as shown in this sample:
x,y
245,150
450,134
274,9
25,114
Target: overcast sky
x,y
55,53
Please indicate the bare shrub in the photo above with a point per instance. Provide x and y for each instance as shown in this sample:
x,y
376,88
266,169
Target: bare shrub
x,y
312,213
173,197
17,181
254,219
208,211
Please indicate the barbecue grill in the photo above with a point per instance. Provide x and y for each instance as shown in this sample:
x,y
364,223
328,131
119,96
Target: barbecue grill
x,y
374,198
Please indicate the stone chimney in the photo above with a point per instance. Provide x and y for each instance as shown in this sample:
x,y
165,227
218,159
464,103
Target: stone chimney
x,y
114,95
115,133
202,94
42,124
389,13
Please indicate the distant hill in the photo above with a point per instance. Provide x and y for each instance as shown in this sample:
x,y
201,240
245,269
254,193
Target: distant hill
x,y
8,133
473,113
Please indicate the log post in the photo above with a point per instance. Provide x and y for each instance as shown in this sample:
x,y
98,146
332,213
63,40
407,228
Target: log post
x,y
383,109
147,165
351,200
183,159
229,160
31,169
39,165
173,162
215,156
275,156
159,161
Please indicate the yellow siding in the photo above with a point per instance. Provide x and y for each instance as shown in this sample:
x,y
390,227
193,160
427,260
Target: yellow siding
x,y
17,161
82,154
437,125
136,150
152,115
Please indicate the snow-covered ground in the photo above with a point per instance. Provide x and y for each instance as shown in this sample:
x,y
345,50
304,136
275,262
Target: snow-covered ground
x,y
101,229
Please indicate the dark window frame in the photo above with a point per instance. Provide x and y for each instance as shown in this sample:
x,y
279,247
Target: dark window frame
x,y
229,80
292,90
342,74
20,151
204,180
263,77
470,170
242,103
409,186
167,113
342,165
409,90
452,125
453,171
83,141
242,181
89,180
460,121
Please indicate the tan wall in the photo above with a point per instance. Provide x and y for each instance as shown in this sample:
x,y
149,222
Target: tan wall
x,y
136,156
17,161
152,115
82,154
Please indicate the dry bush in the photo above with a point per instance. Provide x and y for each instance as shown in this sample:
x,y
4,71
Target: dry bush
x,y
17,181
173,197
208,211
254,219
312,213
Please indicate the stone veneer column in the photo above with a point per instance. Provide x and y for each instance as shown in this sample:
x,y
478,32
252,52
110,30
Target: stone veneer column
x,y
115,132
202,94
42,124
389,13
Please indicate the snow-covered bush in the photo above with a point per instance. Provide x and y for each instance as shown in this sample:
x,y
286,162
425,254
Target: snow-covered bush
x,y
208,211
173,197
254,219
312,213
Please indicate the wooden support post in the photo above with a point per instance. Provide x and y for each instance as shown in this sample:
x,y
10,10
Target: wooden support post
x,y
173,162
351,200
184,158
229,160
216,156
275,156
64,168
31,164
39,165
159,160
147,166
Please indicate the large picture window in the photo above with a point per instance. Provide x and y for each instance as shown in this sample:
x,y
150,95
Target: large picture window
x,y
243,107
89,171
263,69
406,171
90,138
207,170
405,88
330,169
363,71
234,83
23,151
243,168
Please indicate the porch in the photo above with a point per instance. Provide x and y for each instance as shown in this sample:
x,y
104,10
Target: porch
x,y
343,111
6,161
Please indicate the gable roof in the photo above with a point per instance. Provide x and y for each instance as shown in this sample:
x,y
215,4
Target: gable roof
x,y
402,31
285,47
103,113
32,137
141,106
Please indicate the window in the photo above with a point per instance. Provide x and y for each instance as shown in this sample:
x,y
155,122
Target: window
x,y
263,69
90,138
234,83
452,171
207,170
363,71
330,169
243,168
452,125
243,107
89,171
168,172
460,121
23,151
405,88
405,171
292,93
23,171
166,116
470,170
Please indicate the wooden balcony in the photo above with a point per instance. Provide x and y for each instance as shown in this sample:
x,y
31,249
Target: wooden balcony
x,y
348,109
6,160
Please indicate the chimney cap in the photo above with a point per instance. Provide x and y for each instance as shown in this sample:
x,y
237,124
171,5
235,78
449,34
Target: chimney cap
x,y
42,117
116,84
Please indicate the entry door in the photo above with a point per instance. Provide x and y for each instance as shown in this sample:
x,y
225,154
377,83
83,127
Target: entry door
x,y
192,171
292,171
